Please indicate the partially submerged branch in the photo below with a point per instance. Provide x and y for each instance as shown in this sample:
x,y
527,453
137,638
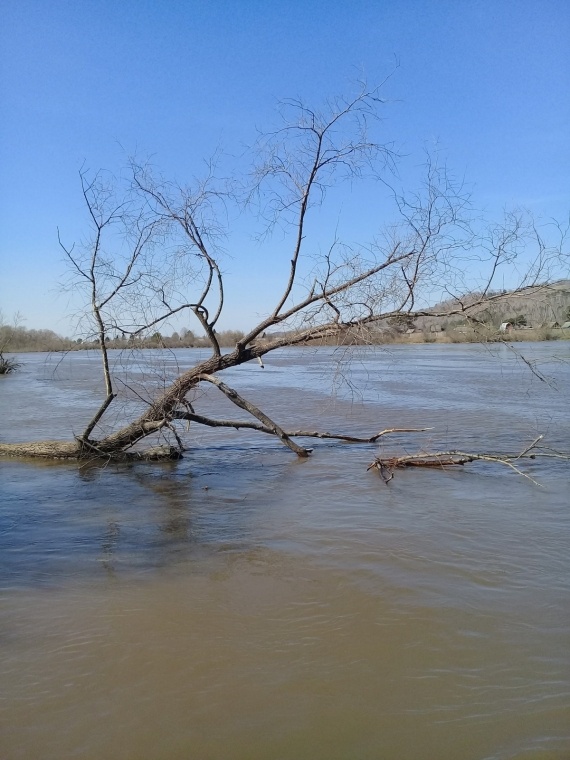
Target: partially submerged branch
x,y
386,466
190,416
236,399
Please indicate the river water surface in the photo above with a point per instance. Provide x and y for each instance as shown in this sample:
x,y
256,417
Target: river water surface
x,y
244,604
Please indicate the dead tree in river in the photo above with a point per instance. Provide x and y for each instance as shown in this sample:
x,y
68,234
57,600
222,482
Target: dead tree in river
x,y
154,253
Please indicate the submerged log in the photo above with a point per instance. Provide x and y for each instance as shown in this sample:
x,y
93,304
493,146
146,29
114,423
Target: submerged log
x,y
440,459
78,451
42,449
427,461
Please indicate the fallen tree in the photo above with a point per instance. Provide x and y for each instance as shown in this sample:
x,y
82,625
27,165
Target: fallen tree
x,y
154,253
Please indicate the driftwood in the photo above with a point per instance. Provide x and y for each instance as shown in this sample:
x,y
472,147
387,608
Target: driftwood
x,y
441,459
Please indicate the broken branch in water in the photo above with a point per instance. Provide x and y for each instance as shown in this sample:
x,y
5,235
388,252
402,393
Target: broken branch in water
x,y
267,425
387,465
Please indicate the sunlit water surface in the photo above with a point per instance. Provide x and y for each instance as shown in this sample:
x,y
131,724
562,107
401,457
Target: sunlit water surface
x,y
244,604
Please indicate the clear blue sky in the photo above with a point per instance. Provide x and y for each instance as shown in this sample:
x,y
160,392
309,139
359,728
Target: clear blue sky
x,y
89,80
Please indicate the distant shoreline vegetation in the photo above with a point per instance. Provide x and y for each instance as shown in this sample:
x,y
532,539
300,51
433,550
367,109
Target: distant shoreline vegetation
x,y
30,341
541,313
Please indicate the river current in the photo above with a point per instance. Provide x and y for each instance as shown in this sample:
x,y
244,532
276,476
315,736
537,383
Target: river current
x,y
243,604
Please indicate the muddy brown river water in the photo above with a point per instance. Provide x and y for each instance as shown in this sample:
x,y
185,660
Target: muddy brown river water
x,y
245,605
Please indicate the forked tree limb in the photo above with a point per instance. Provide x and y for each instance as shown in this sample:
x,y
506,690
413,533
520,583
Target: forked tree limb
x,y
243,424
236,399
269,426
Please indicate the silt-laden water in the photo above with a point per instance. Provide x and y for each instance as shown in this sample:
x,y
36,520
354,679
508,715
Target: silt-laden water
x,y
244,604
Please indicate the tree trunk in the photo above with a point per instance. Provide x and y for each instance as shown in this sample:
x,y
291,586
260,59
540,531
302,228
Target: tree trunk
x,y
160,412
155,417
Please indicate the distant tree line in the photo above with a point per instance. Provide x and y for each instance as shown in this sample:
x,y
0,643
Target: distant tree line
x,y
484,327
18,339
538,309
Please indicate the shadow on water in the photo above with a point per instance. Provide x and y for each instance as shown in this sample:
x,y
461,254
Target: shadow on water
x,y
62,521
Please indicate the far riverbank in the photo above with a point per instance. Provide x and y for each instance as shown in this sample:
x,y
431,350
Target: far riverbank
x,y
480,334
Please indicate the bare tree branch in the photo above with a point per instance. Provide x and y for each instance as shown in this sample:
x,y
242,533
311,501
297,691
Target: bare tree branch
x,y
236,399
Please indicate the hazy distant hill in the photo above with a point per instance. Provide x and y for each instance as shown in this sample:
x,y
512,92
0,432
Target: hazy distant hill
x,y
539,306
